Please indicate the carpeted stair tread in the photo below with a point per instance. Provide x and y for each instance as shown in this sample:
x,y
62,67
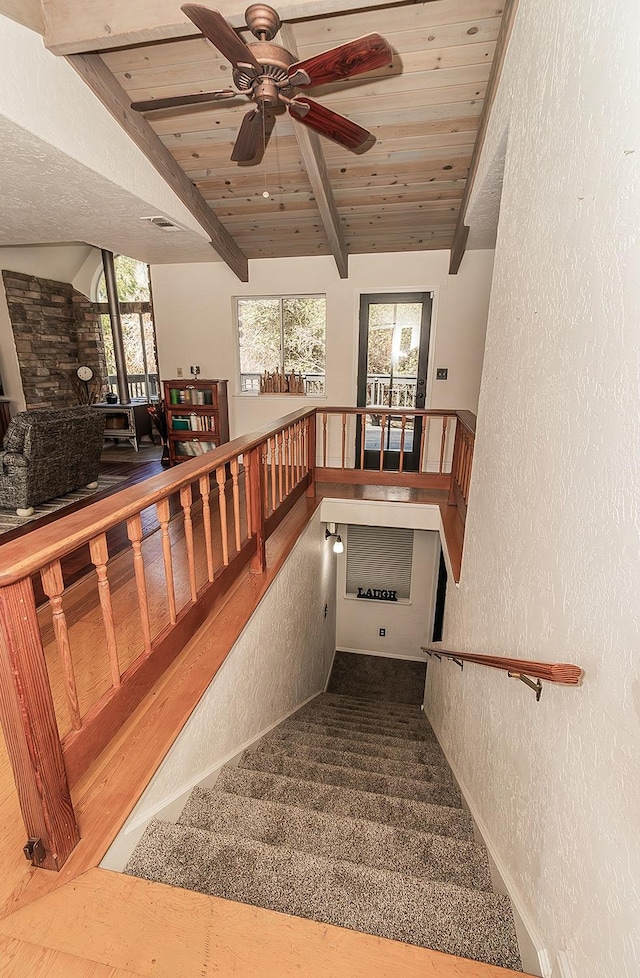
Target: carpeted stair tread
x,y
442,916
351,839
371,707
362,721
399,767
432,792
403,813
422,753
380,734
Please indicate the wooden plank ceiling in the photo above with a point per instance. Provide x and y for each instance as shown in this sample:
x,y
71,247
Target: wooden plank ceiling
x,y
403,194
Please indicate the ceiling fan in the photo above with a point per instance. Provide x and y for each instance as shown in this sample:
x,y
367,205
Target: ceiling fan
x,y
269,75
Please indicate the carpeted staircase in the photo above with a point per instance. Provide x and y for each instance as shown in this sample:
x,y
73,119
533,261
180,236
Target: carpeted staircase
x,y
347,813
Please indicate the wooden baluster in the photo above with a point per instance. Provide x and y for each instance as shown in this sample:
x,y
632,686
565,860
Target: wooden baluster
x,y
30,728
443,442
186,501
99,550
247,497
455,464
285,441
205,492
236,503
298,452
363,437
256,471
222,501
383,425
294,456
468,463
294,466
134,532
273,453
279,453
402,437
344,440
325,418
265,476
312,429
424,441
53,586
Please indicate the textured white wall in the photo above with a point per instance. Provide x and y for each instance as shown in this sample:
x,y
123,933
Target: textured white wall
x,y
281,659
407,626
551,567
194,307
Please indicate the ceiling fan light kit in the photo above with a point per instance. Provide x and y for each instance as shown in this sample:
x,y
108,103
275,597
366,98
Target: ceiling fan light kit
x,y
270,76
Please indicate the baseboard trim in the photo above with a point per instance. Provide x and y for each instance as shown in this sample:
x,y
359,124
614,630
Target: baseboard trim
x,y
209,772
524,922
333,659
383,655
562,967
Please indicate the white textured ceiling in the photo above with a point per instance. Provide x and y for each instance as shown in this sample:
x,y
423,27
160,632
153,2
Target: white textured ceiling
x,y
45,196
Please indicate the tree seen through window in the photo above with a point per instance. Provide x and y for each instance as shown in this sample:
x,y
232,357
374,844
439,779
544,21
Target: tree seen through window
x,y
284,333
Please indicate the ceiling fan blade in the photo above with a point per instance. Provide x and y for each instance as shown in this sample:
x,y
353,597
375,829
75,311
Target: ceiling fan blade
x,y
249,143
178,100
221,34
328,123
353,58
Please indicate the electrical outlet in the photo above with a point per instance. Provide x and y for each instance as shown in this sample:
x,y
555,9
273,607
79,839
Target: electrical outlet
x,y
178,371
382,632
442,373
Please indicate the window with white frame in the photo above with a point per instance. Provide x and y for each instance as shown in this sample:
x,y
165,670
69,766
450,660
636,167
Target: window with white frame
x,y
284,334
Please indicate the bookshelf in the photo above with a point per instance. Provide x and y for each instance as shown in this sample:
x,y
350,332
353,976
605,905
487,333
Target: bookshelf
x,y
197,417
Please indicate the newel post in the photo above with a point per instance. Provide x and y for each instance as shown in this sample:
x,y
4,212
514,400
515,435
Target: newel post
x,y
30,730
256,491
311,453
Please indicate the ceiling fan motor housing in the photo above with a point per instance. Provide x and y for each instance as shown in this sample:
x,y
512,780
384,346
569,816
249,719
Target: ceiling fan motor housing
x,y
276,61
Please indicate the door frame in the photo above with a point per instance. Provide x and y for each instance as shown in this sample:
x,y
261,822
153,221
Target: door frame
x,y
372,458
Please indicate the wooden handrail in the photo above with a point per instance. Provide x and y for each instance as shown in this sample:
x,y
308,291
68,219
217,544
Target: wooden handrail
x,y
49,543
213,515
468,419
48,759
393,411
564,673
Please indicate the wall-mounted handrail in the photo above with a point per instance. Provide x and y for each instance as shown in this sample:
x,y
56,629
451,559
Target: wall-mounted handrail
x,y
563,673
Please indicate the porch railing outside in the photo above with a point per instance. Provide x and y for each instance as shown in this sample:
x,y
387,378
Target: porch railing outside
x,y
402,391
141,387
212,515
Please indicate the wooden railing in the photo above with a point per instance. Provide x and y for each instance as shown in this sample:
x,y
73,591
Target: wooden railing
x,y
563,673
462,461
348,436
162,551
214,514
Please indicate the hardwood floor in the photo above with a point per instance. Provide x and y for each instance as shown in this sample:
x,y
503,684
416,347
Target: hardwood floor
x,y
85,922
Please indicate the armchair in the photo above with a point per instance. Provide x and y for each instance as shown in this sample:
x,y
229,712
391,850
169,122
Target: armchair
x,y
47,453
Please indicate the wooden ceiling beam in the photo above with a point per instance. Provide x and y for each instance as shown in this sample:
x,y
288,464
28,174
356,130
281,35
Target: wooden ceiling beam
x,y
77,27
316,167
95,73
462,231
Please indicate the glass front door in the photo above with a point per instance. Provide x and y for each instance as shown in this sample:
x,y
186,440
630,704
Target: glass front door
x,y
392,372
